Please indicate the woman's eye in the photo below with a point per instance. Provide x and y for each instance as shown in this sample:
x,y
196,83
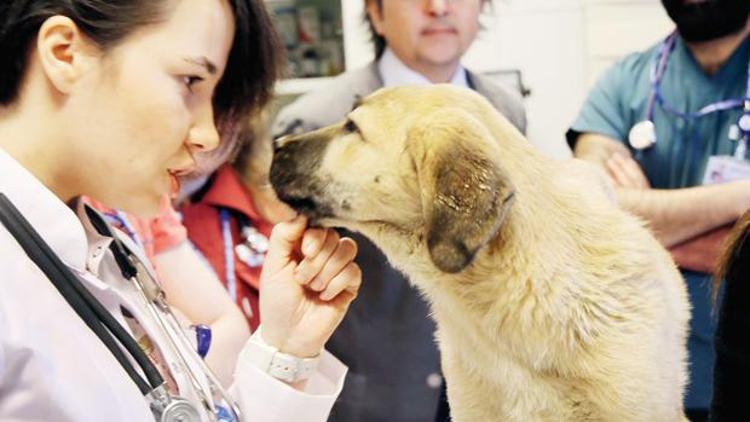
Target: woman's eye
x,y
189,81
350,126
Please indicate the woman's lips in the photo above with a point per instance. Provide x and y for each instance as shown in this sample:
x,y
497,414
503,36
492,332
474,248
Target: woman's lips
x,y
175,177
174,188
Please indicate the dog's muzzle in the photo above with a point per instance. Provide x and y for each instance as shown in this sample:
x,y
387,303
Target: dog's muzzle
x,y
294,173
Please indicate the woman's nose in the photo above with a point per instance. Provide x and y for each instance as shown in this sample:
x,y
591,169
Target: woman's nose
x,y
204,136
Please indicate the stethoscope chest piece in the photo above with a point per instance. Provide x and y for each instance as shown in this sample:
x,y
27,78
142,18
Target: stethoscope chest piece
x,y
642,135
744,122
168,408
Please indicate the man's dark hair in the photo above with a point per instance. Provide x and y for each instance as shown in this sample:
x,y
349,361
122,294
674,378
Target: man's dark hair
x,y
377,40
252,68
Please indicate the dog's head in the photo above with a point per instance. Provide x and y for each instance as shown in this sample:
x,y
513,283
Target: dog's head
x,y
410,163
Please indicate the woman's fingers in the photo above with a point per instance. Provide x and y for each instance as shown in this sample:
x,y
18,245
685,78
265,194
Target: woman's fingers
x,y
323,243
349,280
327,265
345,252
313,240
284,239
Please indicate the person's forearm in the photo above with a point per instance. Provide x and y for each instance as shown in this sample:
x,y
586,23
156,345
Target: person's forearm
x,y
195,291
701,253
677,215
229,334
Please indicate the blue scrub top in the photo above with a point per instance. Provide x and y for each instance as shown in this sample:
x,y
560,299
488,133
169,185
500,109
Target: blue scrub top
x,y
678,159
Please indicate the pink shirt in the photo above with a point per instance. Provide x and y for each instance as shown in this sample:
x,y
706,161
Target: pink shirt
x,y
153,235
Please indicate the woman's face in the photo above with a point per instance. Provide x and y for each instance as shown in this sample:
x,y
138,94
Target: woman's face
x,y
145,106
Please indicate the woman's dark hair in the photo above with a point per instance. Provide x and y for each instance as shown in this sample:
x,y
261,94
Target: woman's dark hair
x,y
377,40
252,68
734,242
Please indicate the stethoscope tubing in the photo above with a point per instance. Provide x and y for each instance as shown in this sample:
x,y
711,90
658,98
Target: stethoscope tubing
x,y
102,323
161,312
93,314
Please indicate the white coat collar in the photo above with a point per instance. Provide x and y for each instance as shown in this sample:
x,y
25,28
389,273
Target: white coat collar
x,y
55,222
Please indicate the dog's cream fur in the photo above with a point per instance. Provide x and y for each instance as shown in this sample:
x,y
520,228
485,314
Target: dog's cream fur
x,y
551,303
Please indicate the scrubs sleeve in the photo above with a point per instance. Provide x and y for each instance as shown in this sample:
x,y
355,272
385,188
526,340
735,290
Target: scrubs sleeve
x,y
604,110
263,398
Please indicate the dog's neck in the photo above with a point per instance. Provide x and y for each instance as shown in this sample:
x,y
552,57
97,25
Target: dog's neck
x,y
543,249
532,253
474,286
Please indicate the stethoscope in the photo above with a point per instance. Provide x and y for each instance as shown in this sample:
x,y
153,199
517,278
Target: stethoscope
x,y
154,297
165,406
643,134
120,220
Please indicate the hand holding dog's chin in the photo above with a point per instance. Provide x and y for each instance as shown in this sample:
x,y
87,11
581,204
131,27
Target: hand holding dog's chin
x,y
298,319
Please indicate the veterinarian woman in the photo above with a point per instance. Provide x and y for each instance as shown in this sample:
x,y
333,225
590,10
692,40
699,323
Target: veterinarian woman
x,y
112,100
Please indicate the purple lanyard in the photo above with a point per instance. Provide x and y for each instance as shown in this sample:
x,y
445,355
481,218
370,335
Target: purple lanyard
x,y
657,74
120,220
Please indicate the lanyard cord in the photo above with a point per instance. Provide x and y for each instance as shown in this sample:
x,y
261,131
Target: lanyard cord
x,y
96,317
119,218
657,74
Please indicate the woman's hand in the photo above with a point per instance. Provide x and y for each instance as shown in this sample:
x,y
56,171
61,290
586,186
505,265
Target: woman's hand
x,y
308,281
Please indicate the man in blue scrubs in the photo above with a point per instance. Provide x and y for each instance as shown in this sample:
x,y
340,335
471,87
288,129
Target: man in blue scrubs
x,y
662,183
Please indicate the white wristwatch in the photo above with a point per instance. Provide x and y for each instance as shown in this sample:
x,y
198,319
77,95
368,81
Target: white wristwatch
x,y
283,366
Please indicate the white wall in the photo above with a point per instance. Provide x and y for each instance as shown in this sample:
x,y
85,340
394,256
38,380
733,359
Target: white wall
x,y
544,39
614,28
560,46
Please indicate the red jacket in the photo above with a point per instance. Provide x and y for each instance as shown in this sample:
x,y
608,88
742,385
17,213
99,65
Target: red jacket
x,y
203,222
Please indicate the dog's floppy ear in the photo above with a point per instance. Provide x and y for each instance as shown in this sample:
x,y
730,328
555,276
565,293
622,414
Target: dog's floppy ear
x,y
465,192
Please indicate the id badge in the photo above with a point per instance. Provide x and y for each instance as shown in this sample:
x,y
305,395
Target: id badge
x,y
724,168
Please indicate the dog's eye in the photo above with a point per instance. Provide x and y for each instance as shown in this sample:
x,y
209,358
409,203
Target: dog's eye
x,y
350,126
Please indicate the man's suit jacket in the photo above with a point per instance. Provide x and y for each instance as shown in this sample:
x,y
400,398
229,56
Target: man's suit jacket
x,y
332,102
387,337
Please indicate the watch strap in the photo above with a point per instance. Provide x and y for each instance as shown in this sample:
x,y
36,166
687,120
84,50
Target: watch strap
x,y
282,366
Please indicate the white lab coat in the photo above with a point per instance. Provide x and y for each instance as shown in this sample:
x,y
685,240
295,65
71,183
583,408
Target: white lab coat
x,y
53,368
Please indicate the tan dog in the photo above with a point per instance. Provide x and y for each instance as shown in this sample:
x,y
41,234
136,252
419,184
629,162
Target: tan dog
x,y
551,303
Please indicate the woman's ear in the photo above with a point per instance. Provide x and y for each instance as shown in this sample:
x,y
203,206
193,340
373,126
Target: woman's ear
x,y
64,53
